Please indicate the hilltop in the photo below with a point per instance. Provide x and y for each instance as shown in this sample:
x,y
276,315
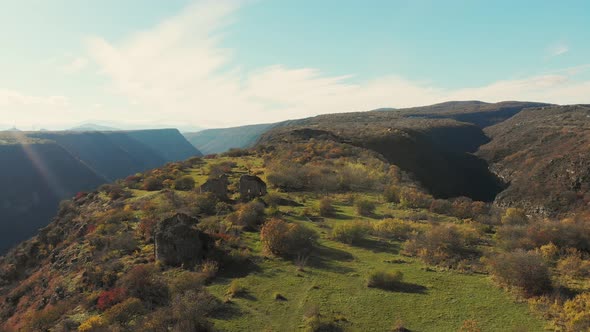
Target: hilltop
x,y
95,266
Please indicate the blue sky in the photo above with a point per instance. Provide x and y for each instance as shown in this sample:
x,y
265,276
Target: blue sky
x,y
140,63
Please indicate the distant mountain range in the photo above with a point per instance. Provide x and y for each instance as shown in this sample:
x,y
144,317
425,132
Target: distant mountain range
x,y
220,140
92,127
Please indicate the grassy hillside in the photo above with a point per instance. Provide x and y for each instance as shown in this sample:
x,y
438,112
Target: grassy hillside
x,y
94,266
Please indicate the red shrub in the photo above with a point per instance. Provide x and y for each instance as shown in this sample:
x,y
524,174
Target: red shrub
x,y
80,195
90,229
108,298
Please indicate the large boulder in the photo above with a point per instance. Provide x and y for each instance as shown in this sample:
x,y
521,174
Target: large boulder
x,y
217,186
179,243
251,187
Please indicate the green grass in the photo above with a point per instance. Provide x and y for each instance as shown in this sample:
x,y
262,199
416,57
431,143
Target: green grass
x,y
335,280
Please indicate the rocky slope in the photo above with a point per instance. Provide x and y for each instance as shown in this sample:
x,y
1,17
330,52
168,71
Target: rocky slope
x,y
437,152
544,154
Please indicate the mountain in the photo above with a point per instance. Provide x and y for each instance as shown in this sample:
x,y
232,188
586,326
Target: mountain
x,y
42,168
433,143
92,127
478,113
544,153
220,140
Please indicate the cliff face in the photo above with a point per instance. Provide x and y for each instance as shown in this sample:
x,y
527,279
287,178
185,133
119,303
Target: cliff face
x,y
121,153
34,178
544,154
220,140
40,169
437,152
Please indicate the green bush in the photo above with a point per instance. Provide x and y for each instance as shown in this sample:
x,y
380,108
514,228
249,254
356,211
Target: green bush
x,y
249,215
123,312
350,232
412,198
524,270
184,183
396,229
392,194
152,184
514,216
235,289
443,245
206,203
364,207
285,239
389,280
326,207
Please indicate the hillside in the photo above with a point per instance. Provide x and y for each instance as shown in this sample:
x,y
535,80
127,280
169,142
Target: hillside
x,y
437,152
544,154
95,266
220,140
42,168
35,177
475,112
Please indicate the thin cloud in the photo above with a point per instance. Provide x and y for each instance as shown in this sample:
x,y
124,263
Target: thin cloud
x,y
558,49
178,73
177,70
75,65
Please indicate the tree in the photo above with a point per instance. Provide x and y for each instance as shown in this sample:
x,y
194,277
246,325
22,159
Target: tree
x,y
184,183
525,270
152,184
514,216
364,207
284,239
326,207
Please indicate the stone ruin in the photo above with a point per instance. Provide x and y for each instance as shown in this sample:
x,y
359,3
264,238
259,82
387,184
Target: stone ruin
x,y
178,243
217,186
251,187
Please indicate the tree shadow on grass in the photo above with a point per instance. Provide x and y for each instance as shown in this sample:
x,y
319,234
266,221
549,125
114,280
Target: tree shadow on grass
x,y
226,311
239,269
326,258
378,246
404,287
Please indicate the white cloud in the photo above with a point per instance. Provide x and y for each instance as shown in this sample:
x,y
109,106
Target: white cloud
x,y
558,49
176,73
76,65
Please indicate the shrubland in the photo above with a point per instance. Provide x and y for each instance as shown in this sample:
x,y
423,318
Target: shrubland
x,y
337,219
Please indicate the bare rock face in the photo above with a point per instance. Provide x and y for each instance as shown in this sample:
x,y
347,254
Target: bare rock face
x,y
251,187
178,243
216,186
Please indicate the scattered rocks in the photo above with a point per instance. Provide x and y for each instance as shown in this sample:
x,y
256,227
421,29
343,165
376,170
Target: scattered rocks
x,y
217,186
178,243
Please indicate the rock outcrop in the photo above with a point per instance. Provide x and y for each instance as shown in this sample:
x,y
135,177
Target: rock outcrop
x,y
178,243
217,186
251,187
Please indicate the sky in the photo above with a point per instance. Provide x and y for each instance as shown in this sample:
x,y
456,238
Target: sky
x,y
219,63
